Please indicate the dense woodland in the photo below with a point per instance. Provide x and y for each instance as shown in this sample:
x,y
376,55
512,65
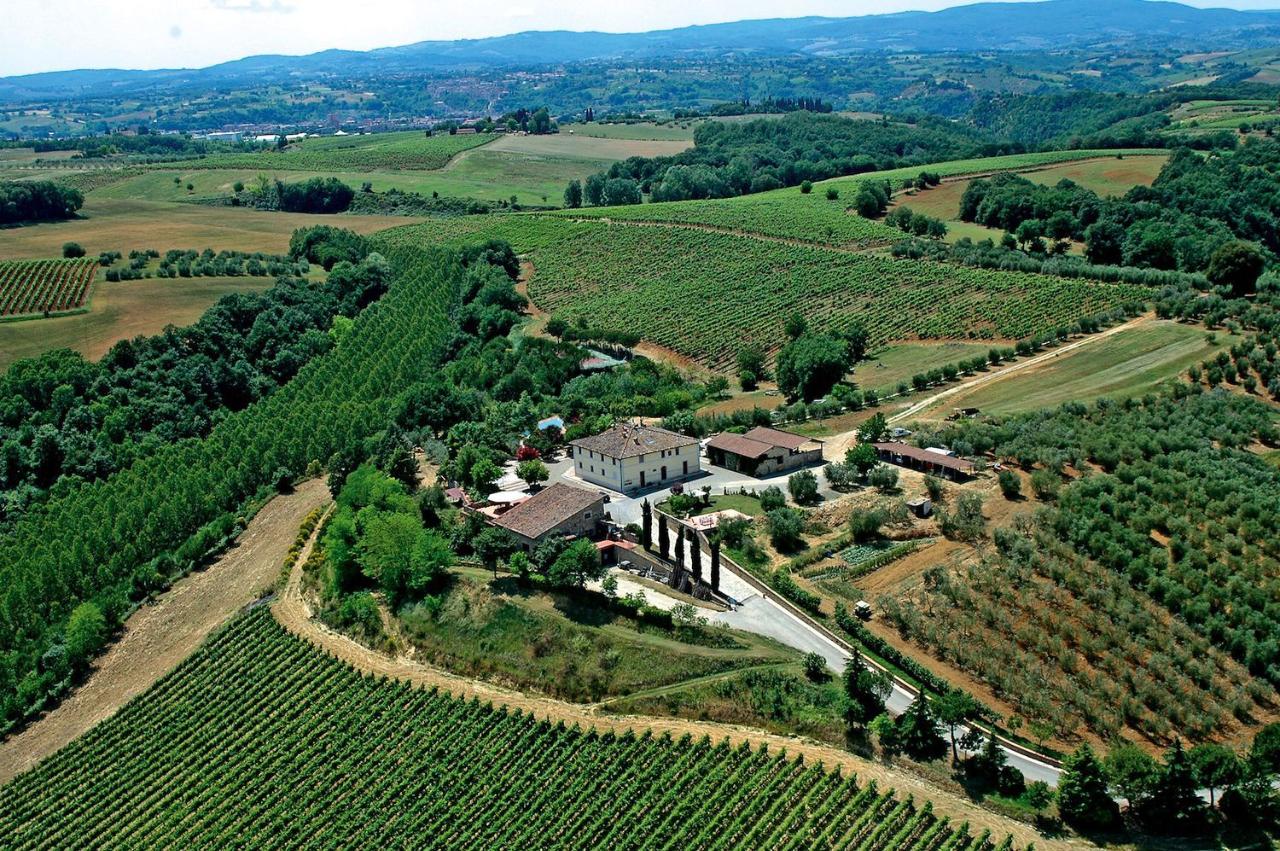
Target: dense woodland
x,y
41,200
1214,214
65,420
755,156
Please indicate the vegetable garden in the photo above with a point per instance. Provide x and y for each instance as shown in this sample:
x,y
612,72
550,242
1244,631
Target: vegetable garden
x,y
34,287
259,740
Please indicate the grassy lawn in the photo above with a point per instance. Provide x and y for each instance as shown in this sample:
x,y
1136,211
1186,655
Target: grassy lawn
x,y
572,645
748,505
119,225
1123,365
883,370
120,311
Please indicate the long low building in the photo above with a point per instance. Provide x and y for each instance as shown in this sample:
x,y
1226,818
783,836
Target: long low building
x,y
764,451
934,461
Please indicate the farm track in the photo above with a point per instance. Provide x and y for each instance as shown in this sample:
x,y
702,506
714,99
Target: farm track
x,y
158,637
292,611
836,445
1016,367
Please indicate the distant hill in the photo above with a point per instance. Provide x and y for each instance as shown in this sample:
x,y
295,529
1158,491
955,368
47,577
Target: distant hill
x,y
1054,24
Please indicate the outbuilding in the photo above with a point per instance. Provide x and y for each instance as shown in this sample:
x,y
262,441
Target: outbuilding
x,y
934,461
764,451
561,509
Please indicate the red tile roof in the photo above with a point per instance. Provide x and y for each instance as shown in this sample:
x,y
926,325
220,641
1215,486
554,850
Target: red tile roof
x,y
547,509
904,450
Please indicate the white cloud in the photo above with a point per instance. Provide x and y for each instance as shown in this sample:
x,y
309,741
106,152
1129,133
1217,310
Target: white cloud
x,y
254,6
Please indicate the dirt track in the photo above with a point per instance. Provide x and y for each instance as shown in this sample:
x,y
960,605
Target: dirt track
x,y
836,445
158,637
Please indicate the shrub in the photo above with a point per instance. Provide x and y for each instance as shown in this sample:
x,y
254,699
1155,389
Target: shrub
x,y
786,526
803,487
771,498
815,667
72,249
884,478
1010,484
806,186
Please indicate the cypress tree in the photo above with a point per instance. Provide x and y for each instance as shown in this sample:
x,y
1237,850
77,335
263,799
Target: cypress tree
x,y
646,516
715,565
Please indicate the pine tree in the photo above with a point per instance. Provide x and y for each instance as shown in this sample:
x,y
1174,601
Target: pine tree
x,y
919,734
1175,806
1083,800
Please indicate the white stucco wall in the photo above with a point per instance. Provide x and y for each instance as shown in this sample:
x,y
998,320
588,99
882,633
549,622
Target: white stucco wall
x,y
624,475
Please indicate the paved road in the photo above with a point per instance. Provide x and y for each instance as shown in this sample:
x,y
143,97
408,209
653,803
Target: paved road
x,y
762,614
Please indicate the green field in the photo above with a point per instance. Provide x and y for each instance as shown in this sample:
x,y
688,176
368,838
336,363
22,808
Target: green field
x,y
411,149
1126,364
120,311
666,132
260,741
885,368
117,225
1105,176
534,169
707,294
790,214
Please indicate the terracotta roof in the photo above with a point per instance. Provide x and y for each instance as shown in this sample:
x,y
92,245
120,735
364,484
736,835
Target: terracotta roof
x,y
757,442
626,441
907,451
777,437
547,509
738,444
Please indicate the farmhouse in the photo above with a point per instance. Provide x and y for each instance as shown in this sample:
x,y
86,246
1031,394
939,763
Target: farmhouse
x,y
764,451
934,461
630,457
558,510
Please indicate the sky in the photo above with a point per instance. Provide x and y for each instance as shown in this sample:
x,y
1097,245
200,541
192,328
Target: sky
x,y
52,35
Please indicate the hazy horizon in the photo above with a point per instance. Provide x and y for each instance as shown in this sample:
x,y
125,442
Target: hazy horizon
x,y
155,34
